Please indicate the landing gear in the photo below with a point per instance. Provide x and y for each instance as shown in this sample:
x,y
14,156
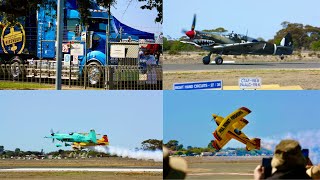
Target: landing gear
x,y
206,60
282,57
218,60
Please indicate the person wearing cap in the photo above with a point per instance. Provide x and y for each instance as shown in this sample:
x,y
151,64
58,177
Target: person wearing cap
x,y
288,162
173,167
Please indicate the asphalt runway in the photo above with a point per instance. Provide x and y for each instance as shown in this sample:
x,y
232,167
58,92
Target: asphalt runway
x,y
241,66
80,170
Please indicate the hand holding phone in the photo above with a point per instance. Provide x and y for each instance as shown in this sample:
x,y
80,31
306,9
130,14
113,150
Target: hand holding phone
x,y
266,163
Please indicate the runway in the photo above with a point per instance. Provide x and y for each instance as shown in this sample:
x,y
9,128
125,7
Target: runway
x,y
80,170
226,173
242,66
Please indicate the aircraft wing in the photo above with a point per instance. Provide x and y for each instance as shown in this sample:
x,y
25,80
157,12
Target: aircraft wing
x,y
240,124
231,122
219,144
252,46
190,42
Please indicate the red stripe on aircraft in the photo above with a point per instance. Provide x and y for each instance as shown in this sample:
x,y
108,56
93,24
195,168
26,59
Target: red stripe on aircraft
x,y
216,136
215,145
246,109
245,121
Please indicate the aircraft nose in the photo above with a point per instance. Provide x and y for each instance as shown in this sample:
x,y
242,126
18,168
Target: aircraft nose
x,y
190,34
214,116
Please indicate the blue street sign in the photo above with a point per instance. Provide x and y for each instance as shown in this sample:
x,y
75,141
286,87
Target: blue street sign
x,y
199,85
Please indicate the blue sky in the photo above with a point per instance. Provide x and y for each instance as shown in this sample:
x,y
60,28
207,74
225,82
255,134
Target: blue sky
x,y
135,17
187,115
127,117
260,18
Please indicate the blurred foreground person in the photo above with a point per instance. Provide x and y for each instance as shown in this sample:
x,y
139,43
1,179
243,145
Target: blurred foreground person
x,y
173,167
288,162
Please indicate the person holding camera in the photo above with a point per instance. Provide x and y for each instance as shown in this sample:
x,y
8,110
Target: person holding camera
x,y
288,162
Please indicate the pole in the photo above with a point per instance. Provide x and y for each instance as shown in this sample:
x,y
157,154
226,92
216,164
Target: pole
x,y
60,15
107,49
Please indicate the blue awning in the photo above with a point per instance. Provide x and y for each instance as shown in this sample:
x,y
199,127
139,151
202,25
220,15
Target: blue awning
x,y
132,31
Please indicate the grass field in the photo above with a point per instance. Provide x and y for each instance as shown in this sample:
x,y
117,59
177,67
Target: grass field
x,y
79,175
307,79
96,162
10,85
16,85
221,167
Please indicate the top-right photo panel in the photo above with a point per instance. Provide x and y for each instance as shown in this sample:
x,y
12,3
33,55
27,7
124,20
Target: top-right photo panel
x,y
239,45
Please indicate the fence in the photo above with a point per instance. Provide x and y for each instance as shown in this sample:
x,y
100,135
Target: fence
x,y
119,77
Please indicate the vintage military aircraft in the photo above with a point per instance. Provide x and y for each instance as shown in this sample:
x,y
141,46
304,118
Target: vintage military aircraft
x,y
234,44
103,141
91,137
230,127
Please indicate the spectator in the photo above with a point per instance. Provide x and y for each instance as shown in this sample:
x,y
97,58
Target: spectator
x,y
173,167
288,162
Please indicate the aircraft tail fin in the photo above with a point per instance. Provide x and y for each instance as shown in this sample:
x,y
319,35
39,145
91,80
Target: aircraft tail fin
x,y
104,140
93,136
287,41
254,143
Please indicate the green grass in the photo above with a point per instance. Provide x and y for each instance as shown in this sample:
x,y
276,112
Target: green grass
x,y
7,85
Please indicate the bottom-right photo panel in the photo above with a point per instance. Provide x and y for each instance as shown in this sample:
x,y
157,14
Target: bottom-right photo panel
x,y
241,135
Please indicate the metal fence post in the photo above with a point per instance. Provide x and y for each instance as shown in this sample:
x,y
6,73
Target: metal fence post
x,y
60,15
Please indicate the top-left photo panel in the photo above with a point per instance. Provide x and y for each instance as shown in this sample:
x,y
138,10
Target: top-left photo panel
x,y
81,44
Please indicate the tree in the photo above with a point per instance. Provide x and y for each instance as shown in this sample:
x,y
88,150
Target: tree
x,y
315,45
1,149
304,36
154,4
219,30
172,144
17,151
152,144
210,145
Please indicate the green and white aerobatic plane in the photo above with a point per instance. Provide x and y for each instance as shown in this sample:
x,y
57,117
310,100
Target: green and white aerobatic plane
x,y
70,138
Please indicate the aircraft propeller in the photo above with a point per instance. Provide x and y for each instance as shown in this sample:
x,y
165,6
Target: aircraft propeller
x,y
52,133
192,33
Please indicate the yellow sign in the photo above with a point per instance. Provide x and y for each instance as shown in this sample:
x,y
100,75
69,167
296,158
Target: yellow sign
x,y
13,38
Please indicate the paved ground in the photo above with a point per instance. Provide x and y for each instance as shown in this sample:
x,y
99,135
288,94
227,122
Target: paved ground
x,y
80,170
239,66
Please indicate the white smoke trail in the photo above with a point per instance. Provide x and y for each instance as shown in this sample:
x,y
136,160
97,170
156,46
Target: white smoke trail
x,y
136,154
307,139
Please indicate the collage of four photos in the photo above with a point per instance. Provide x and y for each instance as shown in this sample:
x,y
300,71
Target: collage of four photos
x,y
159,89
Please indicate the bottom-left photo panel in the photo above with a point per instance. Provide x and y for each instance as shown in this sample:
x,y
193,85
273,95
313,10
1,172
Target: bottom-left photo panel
x,y
81,135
